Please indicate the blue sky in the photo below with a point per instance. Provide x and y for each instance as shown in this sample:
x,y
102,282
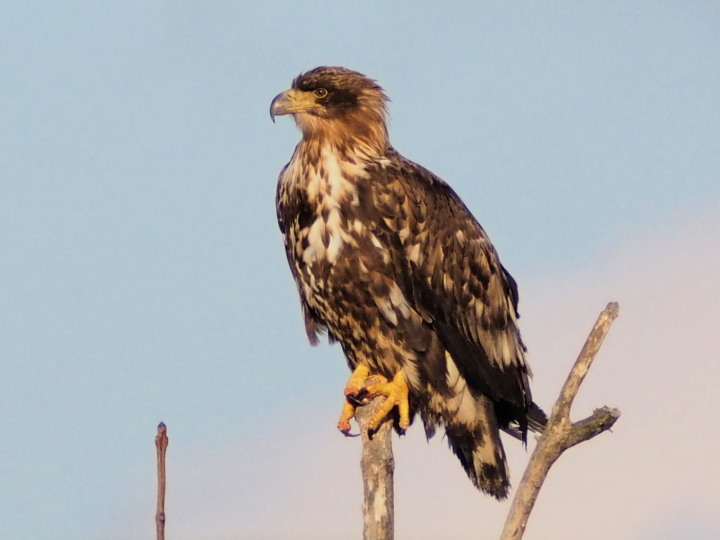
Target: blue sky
x,y
144,277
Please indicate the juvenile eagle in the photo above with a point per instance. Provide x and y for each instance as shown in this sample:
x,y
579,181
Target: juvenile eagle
x,y
391,263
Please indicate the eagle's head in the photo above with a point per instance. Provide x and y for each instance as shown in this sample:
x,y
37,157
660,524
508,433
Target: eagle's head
x,y
336,104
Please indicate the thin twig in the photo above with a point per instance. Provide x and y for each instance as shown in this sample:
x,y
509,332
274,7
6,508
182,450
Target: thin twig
x,y
378,465
161,443
560,434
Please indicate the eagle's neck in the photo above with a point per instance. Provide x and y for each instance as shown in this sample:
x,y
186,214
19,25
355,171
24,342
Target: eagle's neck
x,y
328,171
361,133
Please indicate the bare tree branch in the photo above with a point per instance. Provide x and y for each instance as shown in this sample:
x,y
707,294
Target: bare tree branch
x,y
378,465
161,443
560,434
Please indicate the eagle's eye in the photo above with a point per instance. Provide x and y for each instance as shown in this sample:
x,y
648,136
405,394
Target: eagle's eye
x,y
320,93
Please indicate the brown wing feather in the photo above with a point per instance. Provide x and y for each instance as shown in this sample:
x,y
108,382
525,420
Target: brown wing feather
x,y
450,271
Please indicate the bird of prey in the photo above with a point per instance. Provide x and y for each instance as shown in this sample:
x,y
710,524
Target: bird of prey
x,y
392,265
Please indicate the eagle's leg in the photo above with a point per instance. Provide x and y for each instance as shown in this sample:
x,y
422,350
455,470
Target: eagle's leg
x,y
356,382
362,384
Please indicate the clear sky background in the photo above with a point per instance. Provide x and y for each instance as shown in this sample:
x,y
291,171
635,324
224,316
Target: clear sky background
x,y
142,275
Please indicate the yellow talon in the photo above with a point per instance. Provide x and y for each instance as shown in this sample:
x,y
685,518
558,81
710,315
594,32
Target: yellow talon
x,y
396,392
361,384
347,413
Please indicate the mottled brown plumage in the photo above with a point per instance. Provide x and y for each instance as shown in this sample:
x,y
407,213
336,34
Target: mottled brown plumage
x,y
390,262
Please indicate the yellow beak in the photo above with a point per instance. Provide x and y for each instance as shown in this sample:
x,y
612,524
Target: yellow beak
x,y
291,102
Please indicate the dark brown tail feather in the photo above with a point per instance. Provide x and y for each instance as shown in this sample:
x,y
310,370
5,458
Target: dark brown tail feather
x,y
478,446
536,421
483,458
481,452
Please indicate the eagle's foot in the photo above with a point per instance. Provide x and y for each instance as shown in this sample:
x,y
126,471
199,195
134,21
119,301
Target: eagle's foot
x,y
362,385
397,394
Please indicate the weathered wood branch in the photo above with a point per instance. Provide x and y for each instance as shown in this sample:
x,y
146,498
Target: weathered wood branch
x,y
378,466
560,434
161,443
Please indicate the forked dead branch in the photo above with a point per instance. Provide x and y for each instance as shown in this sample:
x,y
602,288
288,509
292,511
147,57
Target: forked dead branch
x,y
560,434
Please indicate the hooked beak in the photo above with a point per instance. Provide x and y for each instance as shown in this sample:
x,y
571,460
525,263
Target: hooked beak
x,y
291,102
